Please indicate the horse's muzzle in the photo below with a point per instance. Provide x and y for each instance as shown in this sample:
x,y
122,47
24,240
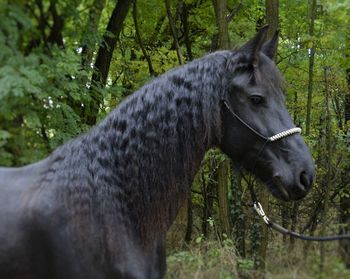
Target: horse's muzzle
x,y
294,189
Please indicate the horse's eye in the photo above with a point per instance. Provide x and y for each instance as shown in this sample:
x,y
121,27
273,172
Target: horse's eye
x,y
256,99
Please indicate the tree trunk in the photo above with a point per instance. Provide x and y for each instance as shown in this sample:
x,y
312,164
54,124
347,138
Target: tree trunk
x,y
186,29
329,154
223,175
312,12
272,16
55,36
105,52
188,234
88,42
285,218
344,245
104,57
293,225
260,259
344,206
208,191
140,42
220,8
174,32
238,218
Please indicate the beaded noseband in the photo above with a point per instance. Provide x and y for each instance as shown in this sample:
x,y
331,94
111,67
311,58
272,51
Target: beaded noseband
x,y
285,134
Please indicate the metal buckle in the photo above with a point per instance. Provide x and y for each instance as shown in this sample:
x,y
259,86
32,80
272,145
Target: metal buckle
x,y
258,208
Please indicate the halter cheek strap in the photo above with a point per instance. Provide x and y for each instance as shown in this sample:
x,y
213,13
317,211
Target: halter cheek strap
x,y
276,137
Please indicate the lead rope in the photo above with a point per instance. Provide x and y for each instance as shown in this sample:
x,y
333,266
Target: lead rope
x,y
256,204
259,209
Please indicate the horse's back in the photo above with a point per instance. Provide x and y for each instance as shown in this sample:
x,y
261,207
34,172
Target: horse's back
x,y
18,187
25,175
18,184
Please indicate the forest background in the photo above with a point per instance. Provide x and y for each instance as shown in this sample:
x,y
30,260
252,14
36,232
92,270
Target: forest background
x,y
65,64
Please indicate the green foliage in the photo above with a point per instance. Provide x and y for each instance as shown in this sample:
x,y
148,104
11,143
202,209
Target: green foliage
x,y
42,94
245,264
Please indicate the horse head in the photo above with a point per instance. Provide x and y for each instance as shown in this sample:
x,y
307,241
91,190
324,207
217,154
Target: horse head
x,y
257,130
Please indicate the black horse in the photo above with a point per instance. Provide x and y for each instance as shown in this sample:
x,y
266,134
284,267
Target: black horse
x,y
100,205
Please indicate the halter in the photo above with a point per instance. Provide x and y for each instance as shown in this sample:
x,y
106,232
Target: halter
x,y
256,204
276,137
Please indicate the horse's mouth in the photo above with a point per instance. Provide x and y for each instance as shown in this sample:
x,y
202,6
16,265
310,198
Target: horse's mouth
x,y
282,192
281,189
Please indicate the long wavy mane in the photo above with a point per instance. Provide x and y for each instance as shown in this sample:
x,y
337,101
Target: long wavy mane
x,y
138,164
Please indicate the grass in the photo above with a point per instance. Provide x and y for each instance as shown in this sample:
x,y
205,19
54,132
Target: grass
x,y
204,259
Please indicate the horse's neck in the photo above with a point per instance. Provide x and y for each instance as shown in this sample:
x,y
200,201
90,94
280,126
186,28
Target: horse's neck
x,y
157,158
146,152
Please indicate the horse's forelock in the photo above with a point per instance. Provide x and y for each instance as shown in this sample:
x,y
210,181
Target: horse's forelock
x,y
265,73
269,73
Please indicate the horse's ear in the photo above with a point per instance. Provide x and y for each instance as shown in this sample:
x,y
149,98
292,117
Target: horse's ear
x,y
253,46
270,47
